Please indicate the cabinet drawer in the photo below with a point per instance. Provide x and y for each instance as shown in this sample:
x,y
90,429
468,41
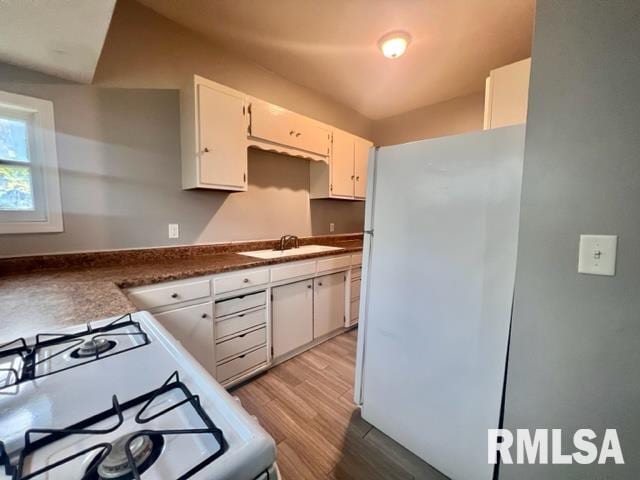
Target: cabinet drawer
x,y
355,289
356,259
154,297
292,271
241,343
354,309
356,273
241,364
239,304
241,280
238,323
333,263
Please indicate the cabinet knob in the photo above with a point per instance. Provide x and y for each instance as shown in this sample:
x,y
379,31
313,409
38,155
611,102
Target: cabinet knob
x,y
319,284
291,132
174,295
204,315
206,150
298,134
358,178
352,177
246,280
309,286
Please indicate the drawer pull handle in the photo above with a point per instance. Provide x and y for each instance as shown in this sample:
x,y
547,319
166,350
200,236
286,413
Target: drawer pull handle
x,y
246,280
241,315
204,315
242,356
174,295
242,336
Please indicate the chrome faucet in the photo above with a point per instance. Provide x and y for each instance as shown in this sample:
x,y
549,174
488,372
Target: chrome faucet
x,y
284,240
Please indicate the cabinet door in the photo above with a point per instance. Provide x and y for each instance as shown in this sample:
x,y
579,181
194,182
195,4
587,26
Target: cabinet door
x,y
328,304
193,328
291,316
508,95
222,148
311,136
361,157
272,123
342,173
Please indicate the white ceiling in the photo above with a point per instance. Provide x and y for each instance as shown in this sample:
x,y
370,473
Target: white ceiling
x,y
331,45
59,37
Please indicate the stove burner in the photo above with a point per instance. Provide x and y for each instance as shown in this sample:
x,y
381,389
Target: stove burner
x,y
115,460
93,347
144,449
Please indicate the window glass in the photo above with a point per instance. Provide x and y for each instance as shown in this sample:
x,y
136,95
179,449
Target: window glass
x,y
16,192
14,143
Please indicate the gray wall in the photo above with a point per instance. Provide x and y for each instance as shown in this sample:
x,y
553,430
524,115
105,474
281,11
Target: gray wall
x,y
575,353
119,159
458,115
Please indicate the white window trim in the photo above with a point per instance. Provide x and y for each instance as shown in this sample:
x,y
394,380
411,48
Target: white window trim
x,y
45,159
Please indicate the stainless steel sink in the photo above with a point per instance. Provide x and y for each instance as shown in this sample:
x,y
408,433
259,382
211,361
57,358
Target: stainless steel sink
x,y
291,252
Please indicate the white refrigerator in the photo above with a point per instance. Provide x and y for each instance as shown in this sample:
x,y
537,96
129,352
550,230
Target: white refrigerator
x,y
439,264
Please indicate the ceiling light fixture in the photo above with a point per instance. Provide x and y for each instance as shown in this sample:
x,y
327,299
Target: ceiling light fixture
x,y
394,44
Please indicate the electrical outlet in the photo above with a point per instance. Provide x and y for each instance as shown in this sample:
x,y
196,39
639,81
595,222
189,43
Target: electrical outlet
x,y
332,227
174,230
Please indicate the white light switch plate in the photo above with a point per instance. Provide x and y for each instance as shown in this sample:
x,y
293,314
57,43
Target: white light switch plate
x,y
597,254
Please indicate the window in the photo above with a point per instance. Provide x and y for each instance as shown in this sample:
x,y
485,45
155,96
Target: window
x,y
29,183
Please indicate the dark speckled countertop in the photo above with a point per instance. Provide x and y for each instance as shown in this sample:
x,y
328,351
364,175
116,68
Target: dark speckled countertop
x,y
44,295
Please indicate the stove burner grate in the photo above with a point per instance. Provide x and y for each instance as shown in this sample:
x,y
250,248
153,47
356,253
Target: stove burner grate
x,y
104,340
109,455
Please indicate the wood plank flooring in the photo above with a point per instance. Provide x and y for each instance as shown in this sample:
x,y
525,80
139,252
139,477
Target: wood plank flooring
x,y
306,404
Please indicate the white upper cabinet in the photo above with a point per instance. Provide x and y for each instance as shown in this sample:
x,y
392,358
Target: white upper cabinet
x,y
271,123
507,94
219,124
345,177
341,164
360,162
274,128
214,141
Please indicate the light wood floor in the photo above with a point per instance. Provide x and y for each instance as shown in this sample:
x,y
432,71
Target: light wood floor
x,y
306,404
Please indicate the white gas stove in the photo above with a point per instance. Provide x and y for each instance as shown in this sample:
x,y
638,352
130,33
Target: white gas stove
x,y
121,399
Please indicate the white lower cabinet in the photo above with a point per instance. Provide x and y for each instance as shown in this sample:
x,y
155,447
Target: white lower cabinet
x,y
237,331
291,316
193,328
329,303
